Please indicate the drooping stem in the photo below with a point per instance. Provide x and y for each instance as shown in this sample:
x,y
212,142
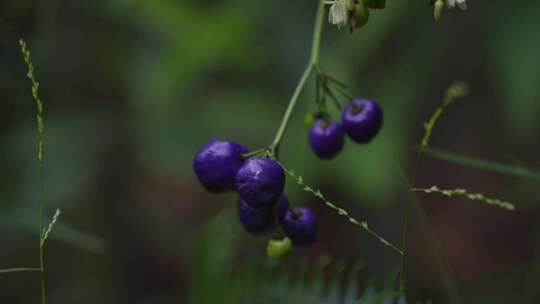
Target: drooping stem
x,y
313,63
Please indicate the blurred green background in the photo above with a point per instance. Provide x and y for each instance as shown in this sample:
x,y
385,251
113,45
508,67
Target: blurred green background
x,y
134,88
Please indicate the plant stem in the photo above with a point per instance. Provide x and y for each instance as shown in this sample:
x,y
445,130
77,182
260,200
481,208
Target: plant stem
x,y
317,31
20,269
456,90
434,245
313,63
41,199
40,157
292,103
406,224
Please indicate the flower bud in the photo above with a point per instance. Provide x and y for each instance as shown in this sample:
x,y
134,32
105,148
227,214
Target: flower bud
x,y
462,4
438,10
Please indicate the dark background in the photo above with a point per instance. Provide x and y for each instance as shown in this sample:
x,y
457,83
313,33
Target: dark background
x,y
134,88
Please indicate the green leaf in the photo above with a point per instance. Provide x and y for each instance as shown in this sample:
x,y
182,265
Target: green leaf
x,y
513,170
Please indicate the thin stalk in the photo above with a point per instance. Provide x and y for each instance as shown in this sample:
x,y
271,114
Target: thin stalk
x,y
313,63
41,160
40,156
317,32
406,224
443,264
455,91
41,199
20,269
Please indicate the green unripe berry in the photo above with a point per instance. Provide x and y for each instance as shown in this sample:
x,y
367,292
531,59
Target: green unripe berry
x,y
309,120
278,247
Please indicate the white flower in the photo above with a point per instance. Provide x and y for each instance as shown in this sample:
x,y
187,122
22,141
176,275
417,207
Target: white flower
x,y
338,14
339,11
461,3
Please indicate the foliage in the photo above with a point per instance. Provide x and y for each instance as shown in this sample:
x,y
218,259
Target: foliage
x,y
323,280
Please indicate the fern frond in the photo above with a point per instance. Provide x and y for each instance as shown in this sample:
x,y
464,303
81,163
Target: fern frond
x,y
309,285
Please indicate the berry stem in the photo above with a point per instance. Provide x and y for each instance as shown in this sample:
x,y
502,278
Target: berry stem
x,y
254,153
313,64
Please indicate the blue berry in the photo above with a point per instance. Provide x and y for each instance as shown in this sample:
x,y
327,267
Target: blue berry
x,y
326,138
362,119
255,220
217,163
260,182
300,225
282,207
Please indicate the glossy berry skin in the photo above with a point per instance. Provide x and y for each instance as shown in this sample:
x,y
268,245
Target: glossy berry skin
x,y
326,138
300,225
362,119
217,163
260,182
255,221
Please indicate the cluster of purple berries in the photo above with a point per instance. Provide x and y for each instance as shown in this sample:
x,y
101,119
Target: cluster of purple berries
x,y
361,120
259,180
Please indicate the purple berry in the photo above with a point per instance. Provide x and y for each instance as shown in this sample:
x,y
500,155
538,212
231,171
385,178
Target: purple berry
x,y
255,220
282,207
260,182
362,119
217,163
300,225
326,138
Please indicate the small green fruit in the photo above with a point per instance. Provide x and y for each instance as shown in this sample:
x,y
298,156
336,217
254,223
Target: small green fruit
x,y
309,120
278,247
